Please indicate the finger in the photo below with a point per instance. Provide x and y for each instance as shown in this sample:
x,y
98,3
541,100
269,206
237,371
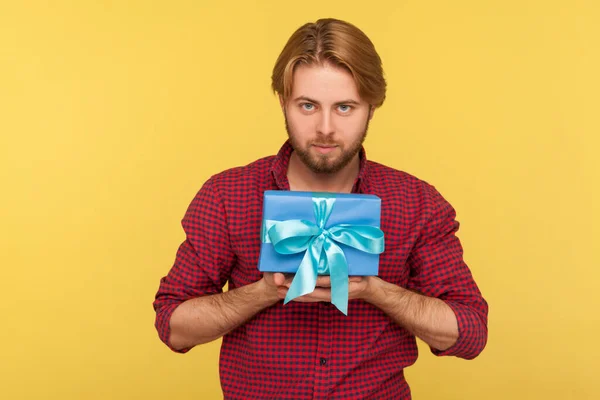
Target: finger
x,y
319,294
323,281
282,292
278,278
357,290
284,279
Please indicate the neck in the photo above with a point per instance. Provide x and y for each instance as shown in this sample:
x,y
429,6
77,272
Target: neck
x,y
302,178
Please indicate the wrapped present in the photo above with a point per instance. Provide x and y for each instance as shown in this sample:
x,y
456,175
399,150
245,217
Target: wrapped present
x,y
311,234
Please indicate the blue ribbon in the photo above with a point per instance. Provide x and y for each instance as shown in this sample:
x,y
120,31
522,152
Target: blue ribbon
x,y
322,254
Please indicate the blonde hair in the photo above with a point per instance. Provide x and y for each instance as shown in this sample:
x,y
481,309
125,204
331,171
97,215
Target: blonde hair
x,y
338,43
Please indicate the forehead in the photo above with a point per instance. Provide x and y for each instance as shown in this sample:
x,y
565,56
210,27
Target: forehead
x,y
324,83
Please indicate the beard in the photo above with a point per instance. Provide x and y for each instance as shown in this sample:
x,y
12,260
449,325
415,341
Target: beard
x,y
323,163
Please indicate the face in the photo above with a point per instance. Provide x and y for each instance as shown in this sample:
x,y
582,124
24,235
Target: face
x,y
325,118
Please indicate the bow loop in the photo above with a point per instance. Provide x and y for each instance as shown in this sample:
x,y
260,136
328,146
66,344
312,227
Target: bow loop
x,y
292,236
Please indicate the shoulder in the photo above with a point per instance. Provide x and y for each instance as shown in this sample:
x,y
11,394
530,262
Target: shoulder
x,y
400,187
229,188
259,167
385,178
240,178
232,189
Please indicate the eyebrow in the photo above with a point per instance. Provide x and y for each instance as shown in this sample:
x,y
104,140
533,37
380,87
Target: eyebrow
x,y
349,101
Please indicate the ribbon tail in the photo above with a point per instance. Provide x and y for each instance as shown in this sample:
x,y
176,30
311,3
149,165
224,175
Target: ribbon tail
x,y
338,271
306,276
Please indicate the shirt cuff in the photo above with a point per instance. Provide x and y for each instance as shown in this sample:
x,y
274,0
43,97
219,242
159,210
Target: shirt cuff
x,y
472,333
163,326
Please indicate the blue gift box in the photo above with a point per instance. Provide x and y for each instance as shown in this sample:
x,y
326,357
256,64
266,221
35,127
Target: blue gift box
x,y
345,209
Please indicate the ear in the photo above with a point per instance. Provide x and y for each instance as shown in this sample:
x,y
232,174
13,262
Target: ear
x,y
371,112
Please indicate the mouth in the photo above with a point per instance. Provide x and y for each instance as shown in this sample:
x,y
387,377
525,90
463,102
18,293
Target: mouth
x,y
324,148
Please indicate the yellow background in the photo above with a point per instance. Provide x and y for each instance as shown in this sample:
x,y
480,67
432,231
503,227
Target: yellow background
x,y
113,114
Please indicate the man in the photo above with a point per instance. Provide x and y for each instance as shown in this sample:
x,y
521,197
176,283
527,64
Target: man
x,y
330,81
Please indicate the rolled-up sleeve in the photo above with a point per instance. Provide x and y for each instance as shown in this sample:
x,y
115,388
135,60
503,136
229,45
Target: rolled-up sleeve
x,y
438,270
203,261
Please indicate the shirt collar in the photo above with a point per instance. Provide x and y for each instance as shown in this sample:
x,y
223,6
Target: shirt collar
x,y
282,160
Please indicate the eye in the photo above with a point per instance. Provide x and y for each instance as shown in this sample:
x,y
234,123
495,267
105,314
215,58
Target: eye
x,y
307,106
344,108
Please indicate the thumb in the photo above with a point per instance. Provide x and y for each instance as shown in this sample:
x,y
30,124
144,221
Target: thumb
x,y
278,278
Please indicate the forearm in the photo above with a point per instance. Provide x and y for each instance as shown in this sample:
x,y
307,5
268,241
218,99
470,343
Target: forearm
x,y
204,319
428,318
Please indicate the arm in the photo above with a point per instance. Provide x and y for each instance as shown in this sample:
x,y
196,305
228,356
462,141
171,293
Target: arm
x,y
432,320
204,319
190,305
438,271
441,304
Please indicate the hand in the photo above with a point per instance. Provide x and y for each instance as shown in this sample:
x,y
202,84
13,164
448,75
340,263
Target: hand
x,y
276,282
358,288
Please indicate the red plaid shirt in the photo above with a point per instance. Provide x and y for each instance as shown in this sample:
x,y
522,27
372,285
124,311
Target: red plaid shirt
x,y
311,350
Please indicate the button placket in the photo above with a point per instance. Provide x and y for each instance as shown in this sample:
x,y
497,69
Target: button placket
x,y
323,359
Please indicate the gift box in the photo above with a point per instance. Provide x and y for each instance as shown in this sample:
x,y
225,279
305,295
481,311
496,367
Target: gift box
x,y
310,234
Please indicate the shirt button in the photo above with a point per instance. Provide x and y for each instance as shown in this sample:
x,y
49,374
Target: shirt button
x,y
323,361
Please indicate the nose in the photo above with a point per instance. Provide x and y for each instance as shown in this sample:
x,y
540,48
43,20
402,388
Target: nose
x,y
325,124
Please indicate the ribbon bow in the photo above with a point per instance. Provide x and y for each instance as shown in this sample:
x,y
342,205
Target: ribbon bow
x,y
322,255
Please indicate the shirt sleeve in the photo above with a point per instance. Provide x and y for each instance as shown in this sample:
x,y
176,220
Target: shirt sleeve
x,y
203,261
438,270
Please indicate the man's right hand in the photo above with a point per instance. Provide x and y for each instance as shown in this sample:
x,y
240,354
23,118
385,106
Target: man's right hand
x,y
278,283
